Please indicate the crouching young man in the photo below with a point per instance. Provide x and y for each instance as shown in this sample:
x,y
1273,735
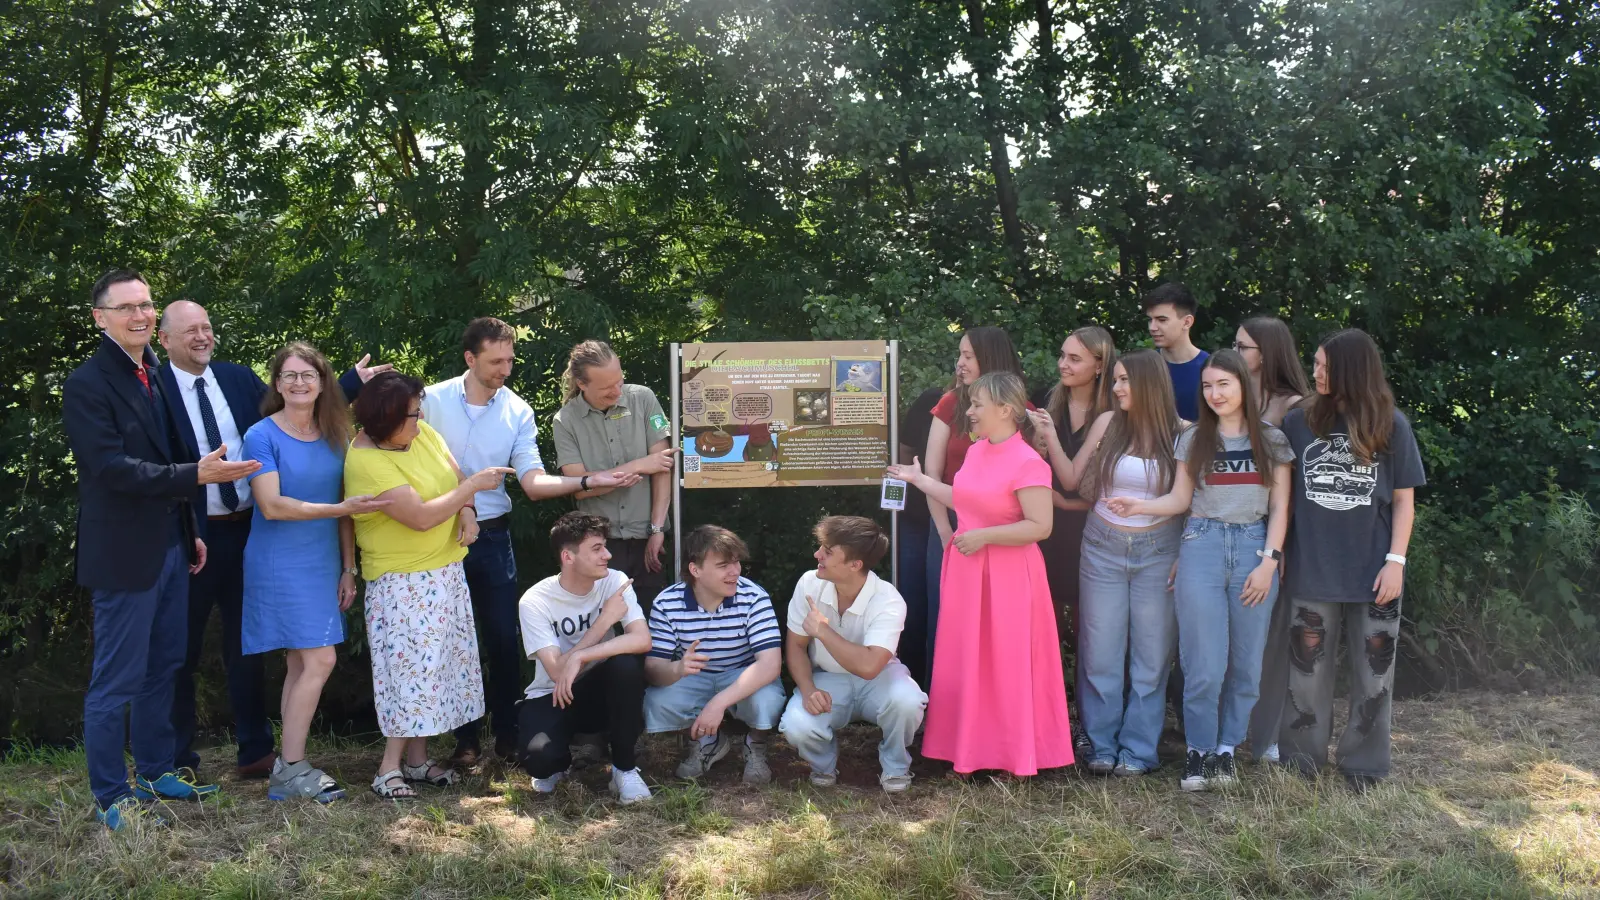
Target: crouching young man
x,y
587,678
715,648
844,625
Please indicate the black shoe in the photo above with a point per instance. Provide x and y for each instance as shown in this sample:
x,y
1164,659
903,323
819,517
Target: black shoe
x,y
506,748
1194,772
1360,783
466,756
1082,747
1222,773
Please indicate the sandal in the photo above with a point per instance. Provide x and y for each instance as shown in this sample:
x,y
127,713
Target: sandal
x,y
383,788
429,773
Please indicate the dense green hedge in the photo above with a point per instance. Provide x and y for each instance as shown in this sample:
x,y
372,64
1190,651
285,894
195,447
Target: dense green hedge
x,y
372,177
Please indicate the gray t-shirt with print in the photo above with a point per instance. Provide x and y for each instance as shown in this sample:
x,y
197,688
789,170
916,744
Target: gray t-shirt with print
x,y
1233,491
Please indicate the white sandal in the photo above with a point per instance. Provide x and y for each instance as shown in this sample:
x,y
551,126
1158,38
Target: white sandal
x,y
402,791
419,774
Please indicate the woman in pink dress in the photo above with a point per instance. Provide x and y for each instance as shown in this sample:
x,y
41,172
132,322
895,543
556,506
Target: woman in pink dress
x,y
998,699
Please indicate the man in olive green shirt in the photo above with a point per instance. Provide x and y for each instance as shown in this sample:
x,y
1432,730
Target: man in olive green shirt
x,y
606,426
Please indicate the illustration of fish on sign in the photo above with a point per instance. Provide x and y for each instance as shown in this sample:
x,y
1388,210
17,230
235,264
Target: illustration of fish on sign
x,y
862,377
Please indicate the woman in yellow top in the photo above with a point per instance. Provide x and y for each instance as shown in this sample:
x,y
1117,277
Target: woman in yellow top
x,y
425,674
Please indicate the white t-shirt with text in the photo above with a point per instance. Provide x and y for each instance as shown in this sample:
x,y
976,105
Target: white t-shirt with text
x,y
554,617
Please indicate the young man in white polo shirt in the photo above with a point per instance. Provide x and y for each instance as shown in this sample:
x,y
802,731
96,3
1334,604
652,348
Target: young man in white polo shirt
x,y
844,626
715,648
587,679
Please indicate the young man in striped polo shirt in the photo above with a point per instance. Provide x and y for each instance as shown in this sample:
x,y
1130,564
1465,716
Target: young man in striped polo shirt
x,y
715,648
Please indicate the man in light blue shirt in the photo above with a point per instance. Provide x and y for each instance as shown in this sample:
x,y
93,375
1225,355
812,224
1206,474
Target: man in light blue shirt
x,y
485,424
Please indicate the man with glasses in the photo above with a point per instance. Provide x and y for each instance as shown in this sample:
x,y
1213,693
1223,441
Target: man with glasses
x,y
137,544
212,404
486,425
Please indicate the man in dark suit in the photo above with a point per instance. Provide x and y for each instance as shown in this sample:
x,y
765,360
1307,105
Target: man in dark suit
x,y
212,404
137,544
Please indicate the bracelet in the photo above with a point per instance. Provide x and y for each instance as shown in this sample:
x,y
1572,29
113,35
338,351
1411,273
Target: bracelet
x,y
1394,558
350,570
583,483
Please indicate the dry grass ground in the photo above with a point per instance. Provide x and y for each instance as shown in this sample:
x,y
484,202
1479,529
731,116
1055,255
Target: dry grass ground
x,y
1496,796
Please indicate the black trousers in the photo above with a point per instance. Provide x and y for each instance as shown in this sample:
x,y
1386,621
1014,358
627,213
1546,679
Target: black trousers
x,y
491,572
627,556
220,585
608,699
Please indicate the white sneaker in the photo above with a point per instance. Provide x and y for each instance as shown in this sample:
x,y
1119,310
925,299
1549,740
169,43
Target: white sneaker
x,y
824,779
895,784
1269,755
548,784
629,785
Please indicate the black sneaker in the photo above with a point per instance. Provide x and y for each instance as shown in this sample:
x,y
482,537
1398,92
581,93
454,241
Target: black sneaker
x,y
1082,747
1360,783
1194,772
1222,774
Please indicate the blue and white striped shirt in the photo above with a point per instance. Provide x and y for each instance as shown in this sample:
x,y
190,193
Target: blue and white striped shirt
x,y
742,626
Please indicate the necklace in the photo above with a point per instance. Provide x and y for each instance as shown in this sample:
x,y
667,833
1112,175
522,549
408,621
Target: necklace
x,y
312,432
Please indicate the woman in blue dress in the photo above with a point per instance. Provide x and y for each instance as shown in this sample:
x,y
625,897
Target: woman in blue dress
x,y
299,563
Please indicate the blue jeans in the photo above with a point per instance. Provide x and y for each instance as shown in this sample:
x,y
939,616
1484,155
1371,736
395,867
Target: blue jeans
x,y
674,707
891,701
935,573
913,587
491,572
1220,640
1127,632
139,642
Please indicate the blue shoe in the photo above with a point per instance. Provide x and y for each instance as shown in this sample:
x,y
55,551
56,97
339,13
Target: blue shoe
x,y
179,785
127,812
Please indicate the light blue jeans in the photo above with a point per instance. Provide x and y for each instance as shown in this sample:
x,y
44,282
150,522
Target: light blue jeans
x,y
675,706
1127,633
892,701
1220,640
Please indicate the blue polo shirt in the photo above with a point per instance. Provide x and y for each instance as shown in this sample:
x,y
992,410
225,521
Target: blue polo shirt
x,y
503,433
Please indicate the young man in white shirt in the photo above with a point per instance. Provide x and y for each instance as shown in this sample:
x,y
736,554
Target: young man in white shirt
x,y
844,626
587,678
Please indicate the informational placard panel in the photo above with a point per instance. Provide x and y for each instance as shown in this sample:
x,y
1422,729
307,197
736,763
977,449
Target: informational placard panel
x,y
784,414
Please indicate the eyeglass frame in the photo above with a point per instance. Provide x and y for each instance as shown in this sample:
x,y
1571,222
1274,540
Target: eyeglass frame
x,y
128,309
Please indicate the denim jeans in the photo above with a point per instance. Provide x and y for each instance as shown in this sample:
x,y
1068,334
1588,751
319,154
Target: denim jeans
x,y
1372,634
1219,638
892,701
1127,632
913,587
491,573
674,707
139,642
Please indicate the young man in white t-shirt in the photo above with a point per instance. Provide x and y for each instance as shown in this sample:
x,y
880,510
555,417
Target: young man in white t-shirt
x,y
844,626
587,679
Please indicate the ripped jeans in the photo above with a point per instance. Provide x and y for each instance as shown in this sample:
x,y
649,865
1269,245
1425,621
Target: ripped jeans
x,y
1373,635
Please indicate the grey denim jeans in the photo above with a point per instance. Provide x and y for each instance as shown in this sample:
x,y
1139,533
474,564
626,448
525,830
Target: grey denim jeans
x,y
1372,634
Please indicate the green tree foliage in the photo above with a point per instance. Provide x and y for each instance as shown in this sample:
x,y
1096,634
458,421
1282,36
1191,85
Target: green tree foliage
x,y
371,176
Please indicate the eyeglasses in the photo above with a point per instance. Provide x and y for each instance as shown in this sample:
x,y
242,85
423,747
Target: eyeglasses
x,y
415,415
128,309
299,377
1243,347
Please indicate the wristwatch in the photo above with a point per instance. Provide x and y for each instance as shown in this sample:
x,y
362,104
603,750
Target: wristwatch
x,y
656,529
1270,553
583,483
350,570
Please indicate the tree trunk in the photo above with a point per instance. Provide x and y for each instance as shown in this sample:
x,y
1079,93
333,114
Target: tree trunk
x,y
985,65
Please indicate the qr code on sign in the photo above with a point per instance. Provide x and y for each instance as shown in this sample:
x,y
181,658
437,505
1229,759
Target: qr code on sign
x,y
691,464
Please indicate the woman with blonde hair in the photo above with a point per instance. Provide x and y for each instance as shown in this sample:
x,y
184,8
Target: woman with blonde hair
x,y
998,699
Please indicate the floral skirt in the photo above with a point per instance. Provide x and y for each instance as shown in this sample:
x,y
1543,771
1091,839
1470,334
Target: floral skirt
x,y
426,678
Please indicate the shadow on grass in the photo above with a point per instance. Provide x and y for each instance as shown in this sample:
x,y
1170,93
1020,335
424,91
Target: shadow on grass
x,y
1486,807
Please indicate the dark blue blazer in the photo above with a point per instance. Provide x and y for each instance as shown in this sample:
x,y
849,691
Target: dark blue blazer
x,y
244,391
135,477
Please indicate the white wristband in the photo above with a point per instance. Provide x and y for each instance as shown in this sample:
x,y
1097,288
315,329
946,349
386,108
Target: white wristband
x,y
1395,558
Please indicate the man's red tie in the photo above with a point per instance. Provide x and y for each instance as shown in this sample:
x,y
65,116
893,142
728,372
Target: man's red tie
x,y
144,379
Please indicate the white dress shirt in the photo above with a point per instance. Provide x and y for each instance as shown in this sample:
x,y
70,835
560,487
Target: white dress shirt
x,y
227,428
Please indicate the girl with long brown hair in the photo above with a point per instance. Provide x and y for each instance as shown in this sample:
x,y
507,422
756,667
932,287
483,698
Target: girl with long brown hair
x,y
1234,483
1127,628
1354,502
299,561
1268,348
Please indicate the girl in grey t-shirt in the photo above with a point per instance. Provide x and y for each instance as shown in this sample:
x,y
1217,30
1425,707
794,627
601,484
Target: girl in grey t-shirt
x,y
1234,482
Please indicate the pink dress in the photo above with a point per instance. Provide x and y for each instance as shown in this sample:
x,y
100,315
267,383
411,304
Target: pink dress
x,y
998,699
